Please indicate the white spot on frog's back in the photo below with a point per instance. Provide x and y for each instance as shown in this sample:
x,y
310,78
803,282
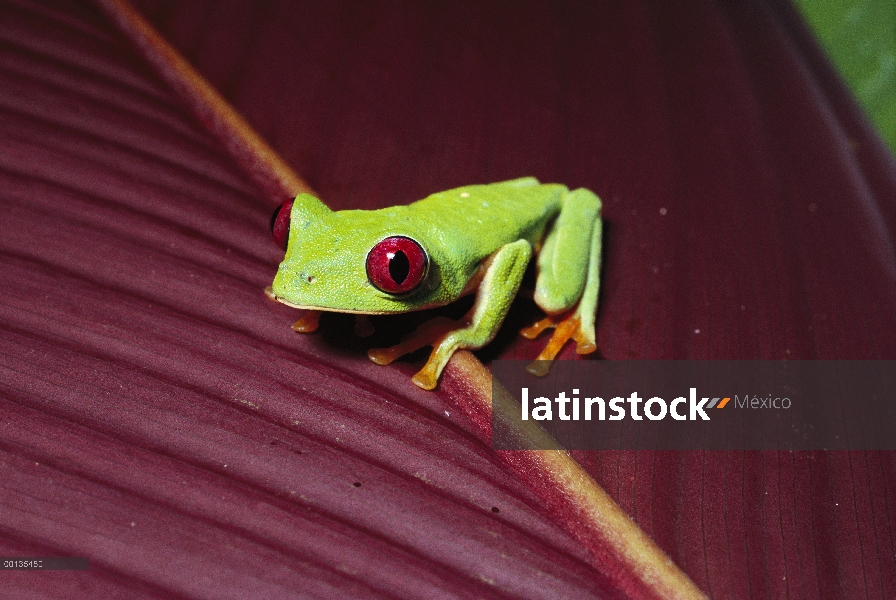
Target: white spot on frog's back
x,y
465,195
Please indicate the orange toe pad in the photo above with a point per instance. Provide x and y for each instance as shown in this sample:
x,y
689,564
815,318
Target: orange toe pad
x,y
565,328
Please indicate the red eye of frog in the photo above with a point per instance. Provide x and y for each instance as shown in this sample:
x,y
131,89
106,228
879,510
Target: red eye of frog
x,y
280,224
396,265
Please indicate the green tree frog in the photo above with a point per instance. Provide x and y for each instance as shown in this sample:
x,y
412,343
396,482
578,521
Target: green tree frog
x,y
473,239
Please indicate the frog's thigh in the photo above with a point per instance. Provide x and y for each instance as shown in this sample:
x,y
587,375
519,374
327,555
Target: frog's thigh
x,y
587,309
493,299
565,258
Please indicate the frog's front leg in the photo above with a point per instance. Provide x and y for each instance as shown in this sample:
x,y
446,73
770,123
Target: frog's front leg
x,y
496,292
568,277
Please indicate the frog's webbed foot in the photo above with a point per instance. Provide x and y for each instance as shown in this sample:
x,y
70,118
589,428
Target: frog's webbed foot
x,y
566,327
426,334
430,333
308,322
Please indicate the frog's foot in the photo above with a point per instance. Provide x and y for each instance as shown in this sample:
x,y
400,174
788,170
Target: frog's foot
x,y
568,327
427,334
308,322
533,331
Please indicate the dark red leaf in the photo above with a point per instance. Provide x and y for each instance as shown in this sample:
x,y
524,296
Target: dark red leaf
x,y
158,415
750,209
750,214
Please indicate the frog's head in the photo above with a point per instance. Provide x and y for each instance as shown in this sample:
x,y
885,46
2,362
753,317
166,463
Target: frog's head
x,y
351,261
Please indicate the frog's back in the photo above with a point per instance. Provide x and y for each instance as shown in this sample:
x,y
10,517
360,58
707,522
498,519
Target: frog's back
x,y
481,218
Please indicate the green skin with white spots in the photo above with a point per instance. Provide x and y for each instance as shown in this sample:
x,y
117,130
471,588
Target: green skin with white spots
x,y
478,238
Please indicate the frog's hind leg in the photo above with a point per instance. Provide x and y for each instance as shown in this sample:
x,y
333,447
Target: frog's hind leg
x,y
477,328
569,276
